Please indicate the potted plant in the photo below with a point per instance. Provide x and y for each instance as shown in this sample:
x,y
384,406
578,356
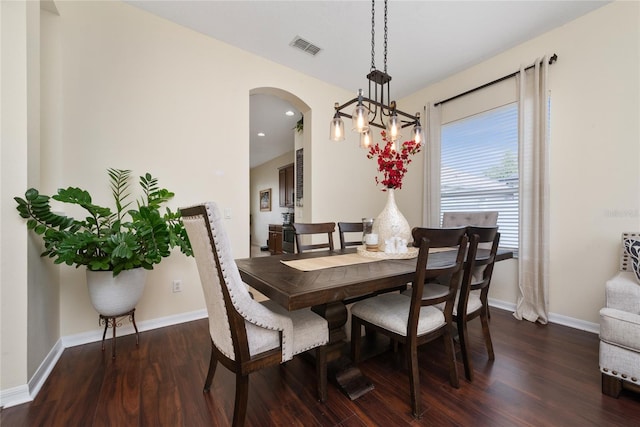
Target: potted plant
x,y
116,246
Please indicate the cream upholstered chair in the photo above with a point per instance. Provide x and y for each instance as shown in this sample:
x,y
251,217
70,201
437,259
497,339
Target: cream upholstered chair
x,y
620,323
458,219
246,335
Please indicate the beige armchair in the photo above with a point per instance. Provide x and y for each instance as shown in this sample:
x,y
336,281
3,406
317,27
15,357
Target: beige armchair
x,y
620,327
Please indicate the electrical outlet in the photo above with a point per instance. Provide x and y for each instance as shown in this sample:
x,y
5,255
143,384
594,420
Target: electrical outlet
x,y
177,286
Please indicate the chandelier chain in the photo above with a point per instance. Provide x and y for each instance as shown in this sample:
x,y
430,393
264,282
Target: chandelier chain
x,y
385,36
373,35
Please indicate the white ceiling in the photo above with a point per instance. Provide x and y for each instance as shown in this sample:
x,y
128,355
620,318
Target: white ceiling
x,y
427,40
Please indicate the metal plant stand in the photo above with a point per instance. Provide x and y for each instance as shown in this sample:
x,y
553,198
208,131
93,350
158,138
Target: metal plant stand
x,y
114,322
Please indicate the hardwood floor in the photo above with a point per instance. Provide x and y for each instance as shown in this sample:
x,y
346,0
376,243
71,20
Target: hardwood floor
x,y
542,376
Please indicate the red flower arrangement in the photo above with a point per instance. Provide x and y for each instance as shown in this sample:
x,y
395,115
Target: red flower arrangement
x,y
391,162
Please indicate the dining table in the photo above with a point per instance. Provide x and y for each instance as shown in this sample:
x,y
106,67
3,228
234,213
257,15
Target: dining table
x,y
325,280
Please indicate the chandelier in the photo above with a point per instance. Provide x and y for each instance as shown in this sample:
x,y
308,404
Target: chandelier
x,y
376,109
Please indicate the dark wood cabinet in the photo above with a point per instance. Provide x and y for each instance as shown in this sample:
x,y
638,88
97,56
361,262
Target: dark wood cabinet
x,y
275,239
287,186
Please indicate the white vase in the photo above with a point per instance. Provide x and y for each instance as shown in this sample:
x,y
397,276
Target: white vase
x,y
113,296
391,222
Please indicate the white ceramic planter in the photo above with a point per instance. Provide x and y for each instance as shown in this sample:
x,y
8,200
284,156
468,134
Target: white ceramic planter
x,y
113,296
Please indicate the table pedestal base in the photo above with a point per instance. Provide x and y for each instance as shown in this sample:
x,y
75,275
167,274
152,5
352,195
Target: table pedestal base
x,y
347,376
351,380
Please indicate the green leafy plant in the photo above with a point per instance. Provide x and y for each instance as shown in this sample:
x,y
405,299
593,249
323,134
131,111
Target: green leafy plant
x,y
300,125
108,240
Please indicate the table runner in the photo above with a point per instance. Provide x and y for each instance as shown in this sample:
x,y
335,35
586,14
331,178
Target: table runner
x,y
311,264
320,263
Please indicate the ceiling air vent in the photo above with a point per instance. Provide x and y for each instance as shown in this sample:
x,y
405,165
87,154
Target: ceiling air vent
x,y
305,46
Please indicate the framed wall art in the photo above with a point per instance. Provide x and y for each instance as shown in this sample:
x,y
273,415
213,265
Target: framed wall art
x,y
265,200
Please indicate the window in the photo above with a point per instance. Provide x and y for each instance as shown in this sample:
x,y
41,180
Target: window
x,y
479,167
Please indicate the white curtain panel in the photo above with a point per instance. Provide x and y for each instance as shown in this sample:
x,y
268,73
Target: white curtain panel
x,y
533,136
431,210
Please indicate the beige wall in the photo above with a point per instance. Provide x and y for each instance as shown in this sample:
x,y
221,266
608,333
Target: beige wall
x,y
141,93
145,94
14,123
595,150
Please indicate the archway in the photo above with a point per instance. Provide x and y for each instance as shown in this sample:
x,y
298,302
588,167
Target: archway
x,y
270,160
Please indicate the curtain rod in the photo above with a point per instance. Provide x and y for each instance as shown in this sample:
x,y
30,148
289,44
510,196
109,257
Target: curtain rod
x,y
553,59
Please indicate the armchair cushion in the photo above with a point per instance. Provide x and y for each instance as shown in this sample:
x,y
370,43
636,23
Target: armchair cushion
x,y
620,328
632,248
623,292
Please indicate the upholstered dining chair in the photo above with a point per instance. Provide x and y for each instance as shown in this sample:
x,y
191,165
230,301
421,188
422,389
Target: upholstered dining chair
x,y
246,335
349,227
415,321
477,218
302,229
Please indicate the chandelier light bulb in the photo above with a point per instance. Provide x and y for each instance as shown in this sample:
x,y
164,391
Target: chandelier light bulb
x,y
366,138
418,134
360,116
360,119
336,129
393,127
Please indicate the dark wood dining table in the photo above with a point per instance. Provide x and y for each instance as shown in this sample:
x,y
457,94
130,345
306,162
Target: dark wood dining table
x,y
325,290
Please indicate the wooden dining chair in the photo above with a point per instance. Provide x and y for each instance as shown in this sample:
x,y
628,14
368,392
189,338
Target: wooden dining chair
x,y
349,227
246,335
476,219
302,229
415,321
472,301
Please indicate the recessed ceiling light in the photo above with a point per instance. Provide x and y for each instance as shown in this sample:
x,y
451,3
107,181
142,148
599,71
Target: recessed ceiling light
x,y
260,133
289,113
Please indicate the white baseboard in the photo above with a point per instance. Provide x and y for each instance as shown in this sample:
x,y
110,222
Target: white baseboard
x,y
146,325
15,396
559,319
27,392
45,368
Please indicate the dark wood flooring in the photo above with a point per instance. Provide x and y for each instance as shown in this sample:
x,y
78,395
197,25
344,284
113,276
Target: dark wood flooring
x,y
542,376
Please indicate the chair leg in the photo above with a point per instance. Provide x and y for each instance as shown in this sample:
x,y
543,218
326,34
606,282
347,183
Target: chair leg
x,y
106,325
414,378
484,318
113,341
611,386
355,339
133,320
213,362
450,353
321,372
242,397
464,348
